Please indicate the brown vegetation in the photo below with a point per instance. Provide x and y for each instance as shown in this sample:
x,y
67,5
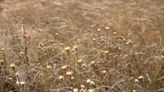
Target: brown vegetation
x,y
81,46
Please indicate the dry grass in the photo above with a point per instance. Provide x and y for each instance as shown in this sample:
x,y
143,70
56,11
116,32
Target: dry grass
x,y
82,46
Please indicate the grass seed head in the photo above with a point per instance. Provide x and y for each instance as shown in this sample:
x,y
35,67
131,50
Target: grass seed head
x,y
49,67
22,82
114,32
106,52
56,34
79,61
69,73
134,90
2,49
94,39
91,90
1,62
104,71
136,80
41,44
131,78
83,65
141,77
75,90
17,82
12,66
88,81
16,73
83,90
98,30
129,42
93,62
64,67
162,56
72,77
67,48
61,77
75,46
82,86
21,53
106,28
10,78
92,83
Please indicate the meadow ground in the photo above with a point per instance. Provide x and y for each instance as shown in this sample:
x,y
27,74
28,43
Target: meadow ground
x,y
81,46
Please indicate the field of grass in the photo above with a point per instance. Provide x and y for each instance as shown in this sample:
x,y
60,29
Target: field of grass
x,y
81,45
